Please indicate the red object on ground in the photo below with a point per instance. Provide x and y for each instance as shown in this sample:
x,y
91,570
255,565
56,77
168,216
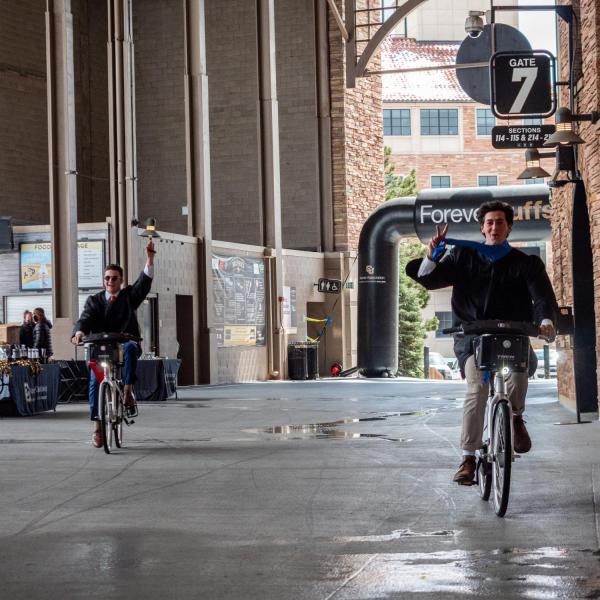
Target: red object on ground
x,y
335,369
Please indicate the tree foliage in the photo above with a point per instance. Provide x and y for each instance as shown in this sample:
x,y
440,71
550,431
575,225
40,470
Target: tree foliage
x,y
395,185
412,330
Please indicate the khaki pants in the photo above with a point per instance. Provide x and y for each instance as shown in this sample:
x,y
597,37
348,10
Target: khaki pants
x,y
476,398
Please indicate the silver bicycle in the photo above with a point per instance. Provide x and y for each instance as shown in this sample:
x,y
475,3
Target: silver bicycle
x,y
104,355
501,347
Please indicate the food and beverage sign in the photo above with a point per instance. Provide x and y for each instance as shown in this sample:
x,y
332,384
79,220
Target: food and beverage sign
x,y
36,265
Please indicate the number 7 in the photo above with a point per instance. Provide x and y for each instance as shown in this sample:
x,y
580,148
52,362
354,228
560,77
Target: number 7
x,y
530,75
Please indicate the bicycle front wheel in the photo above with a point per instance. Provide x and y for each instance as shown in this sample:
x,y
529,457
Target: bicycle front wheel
x,y
502,458
105,410
484,474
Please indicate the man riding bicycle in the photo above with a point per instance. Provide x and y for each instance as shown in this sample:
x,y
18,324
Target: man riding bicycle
x,y
113,310
489,281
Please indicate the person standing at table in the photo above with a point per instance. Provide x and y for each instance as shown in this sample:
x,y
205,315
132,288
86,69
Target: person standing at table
x,y
114,311
42,340
26,331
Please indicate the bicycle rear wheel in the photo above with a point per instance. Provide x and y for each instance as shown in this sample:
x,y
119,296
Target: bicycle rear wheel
x,y
118,422
502,458
105,410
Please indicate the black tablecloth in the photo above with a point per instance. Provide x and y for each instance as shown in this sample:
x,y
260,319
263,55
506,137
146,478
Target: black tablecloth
x,y
31,394
157,379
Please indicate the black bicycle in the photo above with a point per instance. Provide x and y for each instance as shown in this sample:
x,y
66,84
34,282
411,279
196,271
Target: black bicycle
x,y
501,347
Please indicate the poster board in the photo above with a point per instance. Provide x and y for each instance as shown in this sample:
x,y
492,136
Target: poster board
x,y
239,300
35,265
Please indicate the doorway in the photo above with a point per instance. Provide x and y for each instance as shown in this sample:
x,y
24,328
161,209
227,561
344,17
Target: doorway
x,y
184,315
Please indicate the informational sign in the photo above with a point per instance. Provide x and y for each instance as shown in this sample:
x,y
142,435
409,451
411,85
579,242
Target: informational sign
x,y
36,264
239,300
522,84
90,263
521,136
330,286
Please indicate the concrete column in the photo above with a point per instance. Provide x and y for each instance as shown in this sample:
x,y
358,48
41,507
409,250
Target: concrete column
x,y
198,186
121,131
271,189
62,159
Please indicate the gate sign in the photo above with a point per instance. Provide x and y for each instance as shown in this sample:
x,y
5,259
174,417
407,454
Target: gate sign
x,y
522,84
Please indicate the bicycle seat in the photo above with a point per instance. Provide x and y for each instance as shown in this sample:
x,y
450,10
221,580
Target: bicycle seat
x,y
107,338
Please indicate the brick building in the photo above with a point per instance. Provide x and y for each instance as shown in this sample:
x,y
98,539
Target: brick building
x,y
433,127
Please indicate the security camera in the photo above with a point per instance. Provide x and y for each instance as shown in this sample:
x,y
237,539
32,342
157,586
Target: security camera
x,y
474,24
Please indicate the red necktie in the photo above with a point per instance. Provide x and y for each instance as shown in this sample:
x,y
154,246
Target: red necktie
x,y
112,299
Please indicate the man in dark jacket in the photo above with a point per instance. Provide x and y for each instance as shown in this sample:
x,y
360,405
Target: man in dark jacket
x,y
113,311
489,281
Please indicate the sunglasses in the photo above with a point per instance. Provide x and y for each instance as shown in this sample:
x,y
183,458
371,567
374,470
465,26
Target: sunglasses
x,y
111,278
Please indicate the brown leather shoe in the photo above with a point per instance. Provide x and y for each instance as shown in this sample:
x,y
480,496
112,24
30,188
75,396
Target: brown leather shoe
x,y
522,440
466,472
97,440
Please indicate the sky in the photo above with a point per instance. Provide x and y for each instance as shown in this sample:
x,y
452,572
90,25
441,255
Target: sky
x,y
538,26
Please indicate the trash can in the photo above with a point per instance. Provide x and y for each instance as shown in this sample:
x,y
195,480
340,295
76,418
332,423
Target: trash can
x,y
297,361
312,359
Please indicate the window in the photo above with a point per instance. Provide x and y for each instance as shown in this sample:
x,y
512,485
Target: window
x,y
396,121
485,180
389,7
440,181
439,121
445,319
485,121
533,121
534,180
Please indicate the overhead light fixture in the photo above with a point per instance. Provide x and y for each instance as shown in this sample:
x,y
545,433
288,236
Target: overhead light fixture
x,y
532,164
564,134
150,230
474,24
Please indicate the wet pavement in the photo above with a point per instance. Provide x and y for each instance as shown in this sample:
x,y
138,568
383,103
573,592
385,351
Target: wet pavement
x,y
332,489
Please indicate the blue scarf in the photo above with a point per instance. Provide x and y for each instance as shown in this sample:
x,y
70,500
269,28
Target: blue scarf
x,y
488,251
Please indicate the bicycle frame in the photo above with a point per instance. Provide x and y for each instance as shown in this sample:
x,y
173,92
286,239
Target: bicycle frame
x,y
498,393
110,378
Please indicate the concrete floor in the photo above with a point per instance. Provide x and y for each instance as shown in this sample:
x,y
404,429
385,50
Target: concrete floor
x,y
237,492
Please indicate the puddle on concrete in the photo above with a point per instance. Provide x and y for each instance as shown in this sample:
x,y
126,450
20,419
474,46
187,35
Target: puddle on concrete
x,y
397,535
330,429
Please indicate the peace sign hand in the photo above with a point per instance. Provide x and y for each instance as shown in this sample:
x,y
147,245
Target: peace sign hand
x,y
436,239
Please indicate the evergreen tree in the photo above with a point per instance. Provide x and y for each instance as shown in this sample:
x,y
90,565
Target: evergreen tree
x,y
412,330
396,186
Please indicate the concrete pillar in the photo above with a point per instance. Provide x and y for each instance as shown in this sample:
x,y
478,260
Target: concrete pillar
x,y
121,131
198,186
270,183
62,161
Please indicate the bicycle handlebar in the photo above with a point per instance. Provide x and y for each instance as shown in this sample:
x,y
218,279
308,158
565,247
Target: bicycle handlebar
x,y
495,326
110,337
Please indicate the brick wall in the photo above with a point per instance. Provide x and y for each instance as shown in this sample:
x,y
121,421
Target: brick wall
x,y
298,128
158,32
357,143
232,63
476,157
23,115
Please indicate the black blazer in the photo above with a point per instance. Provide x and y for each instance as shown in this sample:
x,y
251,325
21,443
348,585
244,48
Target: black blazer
x,y
514,288
99,315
